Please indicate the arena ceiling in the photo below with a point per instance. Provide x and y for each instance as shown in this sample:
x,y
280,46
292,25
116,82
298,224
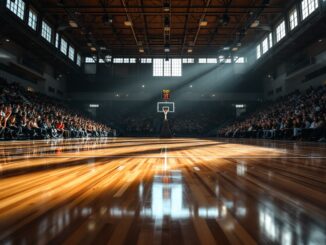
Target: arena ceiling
x,y
147,27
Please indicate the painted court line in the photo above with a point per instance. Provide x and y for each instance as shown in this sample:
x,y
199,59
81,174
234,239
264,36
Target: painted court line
x,y
188,156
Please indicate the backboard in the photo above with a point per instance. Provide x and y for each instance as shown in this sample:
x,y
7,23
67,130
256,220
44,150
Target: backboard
x,y
163,105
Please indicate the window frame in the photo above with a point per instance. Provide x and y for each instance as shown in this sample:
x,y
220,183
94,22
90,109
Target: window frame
x,y
293,18
71,53
280,31
64,46
32,19
18,8
46,31
258,51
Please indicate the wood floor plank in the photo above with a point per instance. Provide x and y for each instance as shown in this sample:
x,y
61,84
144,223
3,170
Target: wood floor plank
x,y
162,191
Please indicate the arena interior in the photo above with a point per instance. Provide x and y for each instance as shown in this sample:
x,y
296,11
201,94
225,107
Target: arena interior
x,y
163,122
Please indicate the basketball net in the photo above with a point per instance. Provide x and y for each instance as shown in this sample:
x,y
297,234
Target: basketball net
x,y
165,111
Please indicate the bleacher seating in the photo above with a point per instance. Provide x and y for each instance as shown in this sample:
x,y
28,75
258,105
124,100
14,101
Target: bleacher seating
x,y
299,116
30,115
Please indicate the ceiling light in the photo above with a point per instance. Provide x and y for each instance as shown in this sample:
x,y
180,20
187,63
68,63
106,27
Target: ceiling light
x,y
203,23
166,23
167,28
166,7
190,86
143,86
255,24
7,40
128,23
107,19
89,44
141,50
235,49
93,49
225,19
226,48
167,48
189,50
73,23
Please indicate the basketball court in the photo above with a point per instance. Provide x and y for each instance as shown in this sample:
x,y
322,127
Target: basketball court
x,y
176,191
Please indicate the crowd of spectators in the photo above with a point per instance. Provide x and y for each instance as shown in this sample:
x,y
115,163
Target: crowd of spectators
x,y
29,115
194,124
299,115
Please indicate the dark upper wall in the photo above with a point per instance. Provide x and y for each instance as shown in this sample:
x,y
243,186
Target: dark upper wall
x,y
129,79
22,66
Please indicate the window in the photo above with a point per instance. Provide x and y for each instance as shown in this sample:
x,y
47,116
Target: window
x,y
145,60
108,58
46,31
176,68
167,68
118,60
17,7
32,19
78,60
280,31
132,60
258,51
307,7
157,67
265,45
224,60
270,40
211,61
293,18
64,46
239,60
126,60
90,60
71,53
202,61
188,61
57,38
228,60
101,61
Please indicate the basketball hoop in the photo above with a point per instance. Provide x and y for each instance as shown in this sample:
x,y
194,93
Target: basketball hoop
x,y
166,111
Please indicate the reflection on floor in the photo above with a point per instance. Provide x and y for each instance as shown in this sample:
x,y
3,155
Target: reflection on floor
x,y
172,191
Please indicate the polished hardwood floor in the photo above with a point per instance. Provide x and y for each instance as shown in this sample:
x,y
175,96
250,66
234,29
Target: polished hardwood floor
x,y
162,191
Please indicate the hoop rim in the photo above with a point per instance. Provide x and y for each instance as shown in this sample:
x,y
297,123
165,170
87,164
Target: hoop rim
x,y
166,109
